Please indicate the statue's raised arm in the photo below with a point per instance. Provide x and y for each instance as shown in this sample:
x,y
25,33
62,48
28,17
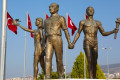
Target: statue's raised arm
x,y
17,24
104,33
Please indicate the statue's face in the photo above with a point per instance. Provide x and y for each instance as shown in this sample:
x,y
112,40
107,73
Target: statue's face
x,y
90,11
53,8
39,22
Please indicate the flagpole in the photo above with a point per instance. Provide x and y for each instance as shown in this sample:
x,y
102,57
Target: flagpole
x,y
66,48
65,57
84,59
3,40
44,15
25,48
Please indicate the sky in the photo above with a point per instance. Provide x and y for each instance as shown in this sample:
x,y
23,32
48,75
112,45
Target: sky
x,y
106,11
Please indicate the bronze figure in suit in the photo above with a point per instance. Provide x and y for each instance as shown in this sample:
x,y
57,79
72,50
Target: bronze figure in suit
x,y
53,37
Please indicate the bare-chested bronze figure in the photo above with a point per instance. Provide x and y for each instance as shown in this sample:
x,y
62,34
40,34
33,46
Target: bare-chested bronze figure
x,y
53,26
90,28
38,35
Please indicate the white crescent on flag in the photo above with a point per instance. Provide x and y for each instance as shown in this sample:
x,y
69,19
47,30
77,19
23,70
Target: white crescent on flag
x,y
71,23
8,20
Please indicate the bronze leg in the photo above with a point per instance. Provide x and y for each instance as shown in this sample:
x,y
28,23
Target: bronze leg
x,y
36,60
42,63
95,56
48,60
87,50
59,57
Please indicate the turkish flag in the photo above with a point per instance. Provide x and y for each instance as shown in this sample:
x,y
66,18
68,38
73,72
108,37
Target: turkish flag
x,y
10,23
47,16
71,25
29,25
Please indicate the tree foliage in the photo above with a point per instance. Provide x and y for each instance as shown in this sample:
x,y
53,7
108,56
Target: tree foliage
x,y
54,75
78,68
41,76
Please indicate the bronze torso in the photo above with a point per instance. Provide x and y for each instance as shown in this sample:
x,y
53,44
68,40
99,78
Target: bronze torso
x,y
37,42
90,29
53,26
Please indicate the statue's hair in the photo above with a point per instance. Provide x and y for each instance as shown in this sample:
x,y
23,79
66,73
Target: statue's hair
x,y
89,7
56,5
39,18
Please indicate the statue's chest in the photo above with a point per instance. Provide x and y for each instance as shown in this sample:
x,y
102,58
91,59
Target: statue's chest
x,y
37,33
53,22
90,26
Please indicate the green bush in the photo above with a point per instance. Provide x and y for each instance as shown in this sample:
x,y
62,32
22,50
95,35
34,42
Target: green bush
x,y
78,68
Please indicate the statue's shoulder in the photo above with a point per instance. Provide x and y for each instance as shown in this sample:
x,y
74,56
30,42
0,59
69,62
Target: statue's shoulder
x,y
46,20
82,21
98,22
61,17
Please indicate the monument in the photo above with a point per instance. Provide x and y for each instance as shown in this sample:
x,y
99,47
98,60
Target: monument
x,y
53,40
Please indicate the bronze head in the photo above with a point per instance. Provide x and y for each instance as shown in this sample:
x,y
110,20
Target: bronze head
x,y
39,22
53,8
90,11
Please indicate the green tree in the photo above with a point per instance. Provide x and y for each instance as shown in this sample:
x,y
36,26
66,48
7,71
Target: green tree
x,y
99,73
78,68
54,75
41,76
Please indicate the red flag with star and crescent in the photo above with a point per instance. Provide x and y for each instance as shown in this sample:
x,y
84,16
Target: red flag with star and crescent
x,y
71,25
29,25
10,25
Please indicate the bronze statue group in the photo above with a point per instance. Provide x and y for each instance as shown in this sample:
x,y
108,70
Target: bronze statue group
x,y
52,39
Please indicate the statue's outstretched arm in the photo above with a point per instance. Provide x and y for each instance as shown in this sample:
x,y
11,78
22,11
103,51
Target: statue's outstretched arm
x,y
102,30
28,30
17,24
78,33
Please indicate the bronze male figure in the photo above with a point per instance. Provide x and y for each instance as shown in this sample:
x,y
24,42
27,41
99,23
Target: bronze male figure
x,y
38,35
90,28
53,26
